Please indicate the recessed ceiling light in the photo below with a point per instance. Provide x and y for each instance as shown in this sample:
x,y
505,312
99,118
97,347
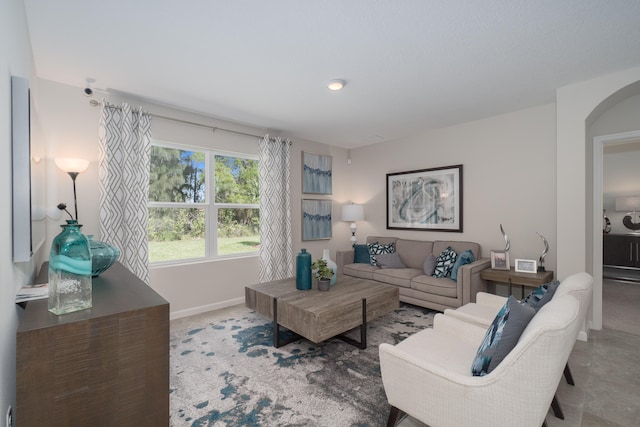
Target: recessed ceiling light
x,y
336,84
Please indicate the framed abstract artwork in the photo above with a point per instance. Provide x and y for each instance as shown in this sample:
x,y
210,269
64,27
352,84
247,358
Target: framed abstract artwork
x,y
316,173
316,219
426,199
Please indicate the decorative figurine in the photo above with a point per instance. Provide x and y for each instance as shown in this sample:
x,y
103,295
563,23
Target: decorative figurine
x,y
506,239
544,252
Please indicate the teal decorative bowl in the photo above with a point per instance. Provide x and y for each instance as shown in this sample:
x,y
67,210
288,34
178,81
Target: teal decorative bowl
x,y
103,255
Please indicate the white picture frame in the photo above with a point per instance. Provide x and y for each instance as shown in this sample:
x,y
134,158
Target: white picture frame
x,y
526,266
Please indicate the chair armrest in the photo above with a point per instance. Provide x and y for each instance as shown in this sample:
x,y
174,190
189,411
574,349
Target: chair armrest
x,y
490,300
343,258
453,326
470,280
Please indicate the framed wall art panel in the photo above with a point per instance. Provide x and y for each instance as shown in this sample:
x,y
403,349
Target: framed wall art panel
x,y
316,219
316,173
427,199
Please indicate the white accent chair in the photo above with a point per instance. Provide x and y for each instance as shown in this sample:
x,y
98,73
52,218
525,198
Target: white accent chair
x,y
428,375
486,307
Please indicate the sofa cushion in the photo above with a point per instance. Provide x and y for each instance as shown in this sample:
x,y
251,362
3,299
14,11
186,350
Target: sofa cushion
x,y
442,286
502,336
429,265
541,295
445,262
361,254
391,260
379,249
413,252
363,271
464,258
397,276
458,247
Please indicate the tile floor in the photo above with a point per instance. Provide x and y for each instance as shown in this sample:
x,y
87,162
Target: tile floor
x,y
606,369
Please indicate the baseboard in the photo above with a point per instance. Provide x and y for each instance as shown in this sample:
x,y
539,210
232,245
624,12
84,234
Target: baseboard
x,y
204,308
582,336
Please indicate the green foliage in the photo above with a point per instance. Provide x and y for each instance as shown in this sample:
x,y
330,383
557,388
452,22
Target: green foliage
x,y
179,176
322,271
191,249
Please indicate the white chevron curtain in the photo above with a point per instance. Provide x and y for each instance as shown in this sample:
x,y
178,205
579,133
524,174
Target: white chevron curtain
x,y
276,249
123,184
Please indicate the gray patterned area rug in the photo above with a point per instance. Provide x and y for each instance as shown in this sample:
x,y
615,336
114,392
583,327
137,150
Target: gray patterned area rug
x,y
225,372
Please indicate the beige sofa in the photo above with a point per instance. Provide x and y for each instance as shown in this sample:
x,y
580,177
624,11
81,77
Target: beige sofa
x,y
416,287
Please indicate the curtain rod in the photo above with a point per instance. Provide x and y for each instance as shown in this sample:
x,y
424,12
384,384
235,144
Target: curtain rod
x,y
95,103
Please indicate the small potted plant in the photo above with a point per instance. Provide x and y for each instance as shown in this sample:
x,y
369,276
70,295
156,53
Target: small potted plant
x,y
323,274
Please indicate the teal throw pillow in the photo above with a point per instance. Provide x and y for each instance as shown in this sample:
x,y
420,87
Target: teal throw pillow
x,y
378,249
361,254
502,336
541,295
464,258
445,262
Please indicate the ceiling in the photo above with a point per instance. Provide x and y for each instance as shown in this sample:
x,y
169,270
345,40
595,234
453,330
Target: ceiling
x,y
410,65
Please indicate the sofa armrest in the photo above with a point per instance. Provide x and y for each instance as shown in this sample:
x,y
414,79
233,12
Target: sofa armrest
x,y
343,258
471,282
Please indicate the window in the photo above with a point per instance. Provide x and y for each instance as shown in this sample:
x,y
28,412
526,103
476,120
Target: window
x,y
188,217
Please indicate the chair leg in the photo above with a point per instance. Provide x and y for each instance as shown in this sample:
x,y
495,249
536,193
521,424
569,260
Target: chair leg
x,y
393,416
555,405
567,375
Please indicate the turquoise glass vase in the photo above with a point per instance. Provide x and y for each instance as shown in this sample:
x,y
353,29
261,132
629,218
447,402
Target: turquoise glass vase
x,y
103,255
69,270
303,270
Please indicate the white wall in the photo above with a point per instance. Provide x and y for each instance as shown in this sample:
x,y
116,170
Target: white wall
x,y
578,223
621,171
15,59
509,178
70,125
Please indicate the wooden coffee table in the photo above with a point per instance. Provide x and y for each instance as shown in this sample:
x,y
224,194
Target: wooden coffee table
x,y
318,316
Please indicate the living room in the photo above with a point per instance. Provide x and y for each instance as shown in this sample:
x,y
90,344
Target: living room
x,y
527,168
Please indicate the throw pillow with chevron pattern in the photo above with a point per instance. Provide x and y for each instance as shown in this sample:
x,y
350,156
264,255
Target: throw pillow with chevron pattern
x,y
445,262
378,249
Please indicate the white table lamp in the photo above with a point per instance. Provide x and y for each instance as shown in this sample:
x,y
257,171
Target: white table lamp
x,y
353,213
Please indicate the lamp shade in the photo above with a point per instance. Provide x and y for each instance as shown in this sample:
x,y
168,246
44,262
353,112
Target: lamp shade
x,y
629,203
72,165
352,212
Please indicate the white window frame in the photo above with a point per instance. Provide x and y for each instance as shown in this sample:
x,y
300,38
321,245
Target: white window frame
x,y
210,206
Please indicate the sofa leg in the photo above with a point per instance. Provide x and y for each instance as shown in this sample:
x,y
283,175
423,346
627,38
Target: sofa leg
x,y
394,414
567,375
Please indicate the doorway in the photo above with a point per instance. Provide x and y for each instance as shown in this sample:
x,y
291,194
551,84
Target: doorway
x,y
616,306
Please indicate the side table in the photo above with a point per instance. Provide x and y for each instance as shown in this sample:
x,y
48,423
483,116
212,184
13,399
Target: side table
x,y
511,277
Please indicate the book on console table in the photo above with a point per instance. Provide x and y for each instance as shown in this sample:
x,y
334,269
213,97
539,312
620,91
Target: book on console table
x,y
32,292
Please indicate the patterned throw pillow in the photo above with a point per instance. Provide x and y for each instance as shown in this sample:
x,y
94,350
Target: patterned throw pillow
x,y
378,249
445,262
541,295
464,258
361,254
502,336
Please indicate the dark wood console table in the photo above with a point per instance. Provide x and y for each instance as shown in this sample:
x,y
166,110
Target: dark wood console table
x,y
104,366
510,277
